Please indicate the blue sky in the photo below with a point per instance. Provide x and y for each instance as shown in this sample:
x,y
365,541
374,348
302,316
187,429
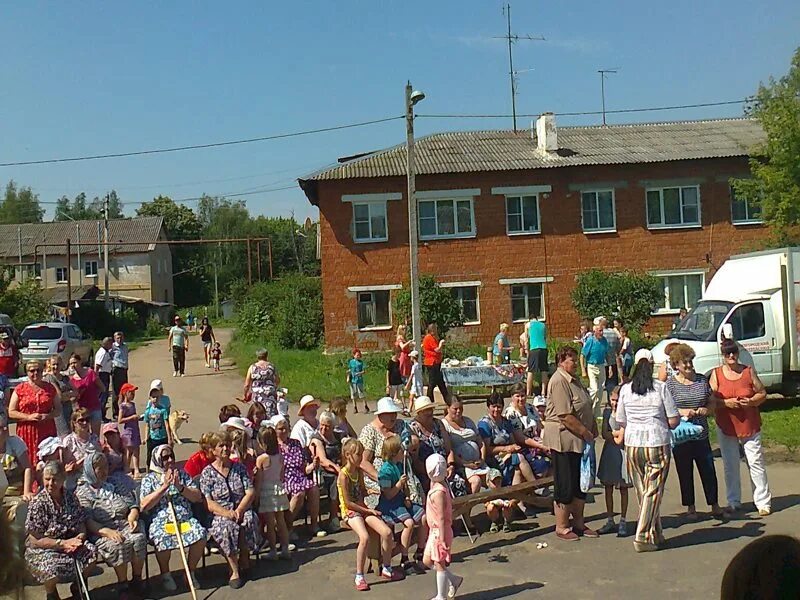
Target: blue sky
x,y
103,77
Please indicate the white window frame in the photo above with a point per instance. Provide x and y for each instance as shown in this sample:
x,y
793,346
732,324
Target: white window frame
x,y
453,196
467,284
87,266
670,310
600,229
372,205
61,279
523,231
748,220
662,224
372,290
527,281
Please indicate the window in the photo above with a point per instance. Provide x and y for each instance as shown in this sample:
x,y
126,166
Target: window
x,y
369,222
90,268
34,270
748,322
598,211
681,290
673,207
61,274
467,297
522,214
744,211
373,309
446,218
526,301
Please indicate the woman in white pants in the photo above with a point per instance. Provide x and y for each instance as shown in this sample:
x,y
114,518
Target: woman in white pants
x,y
739,423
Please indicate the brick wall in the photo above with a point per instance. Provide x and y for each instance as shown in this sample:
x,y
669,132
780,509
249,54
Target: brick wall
x,y
561,251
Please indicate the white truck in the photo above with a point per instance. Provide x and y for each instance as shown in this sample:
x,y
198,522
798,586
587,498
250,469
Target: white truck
x,y
752,297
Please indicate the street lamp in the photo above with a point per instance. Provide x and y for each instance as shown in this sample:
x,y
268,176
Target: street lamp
x,y
412,97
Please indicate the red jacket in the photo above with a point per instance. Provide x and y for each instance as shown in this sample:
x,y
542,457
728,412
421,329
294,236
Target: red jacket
x,y
9,359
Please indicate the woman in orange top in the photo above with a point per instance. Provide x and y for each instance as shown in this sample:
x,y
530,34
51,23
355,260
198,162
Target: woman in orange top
x,y
739,423
432,361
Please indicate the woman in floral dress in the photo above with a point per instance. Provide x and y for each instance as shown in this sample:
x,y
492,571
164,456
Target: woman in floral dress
x,y
113,522
111,444
34,404
229,493
56,528
163,483
297,480
261,383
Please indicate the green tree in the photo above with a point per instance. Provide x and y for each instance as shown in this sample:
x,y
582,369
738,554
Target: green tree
x,y
436,305
775,164
79,210
20,205
180,221
23,303
627,295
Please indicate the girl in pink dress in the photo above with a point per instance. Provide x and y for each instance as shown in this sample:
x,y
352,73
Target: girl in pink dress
x,y
439,512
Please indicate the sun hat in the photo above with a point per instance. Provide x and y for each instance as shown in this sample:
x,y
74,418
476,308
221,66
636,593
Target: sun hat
x,y
436,467
237,423
157,384
109,428
642,353
598,320
48,446
386,406
413,354
127,387
423,403
307,400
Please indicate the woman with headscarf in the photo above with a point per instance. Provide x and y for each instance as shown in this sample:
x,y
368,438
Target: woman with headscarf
x,y
230,494
113,522
56,528
34,405
165,484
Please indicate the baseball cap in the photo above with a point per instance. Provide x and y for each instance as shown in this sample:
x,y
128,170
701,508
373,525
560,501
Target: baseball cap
x,y
128,387
157,384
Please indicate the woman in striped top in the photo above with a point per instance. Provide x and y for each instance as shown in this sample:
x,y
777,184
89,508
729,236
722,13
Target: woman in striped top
x,y
692,394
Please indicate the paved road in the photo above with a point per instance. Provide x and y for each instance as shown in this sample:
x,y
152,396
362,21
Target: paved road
x,y
496,566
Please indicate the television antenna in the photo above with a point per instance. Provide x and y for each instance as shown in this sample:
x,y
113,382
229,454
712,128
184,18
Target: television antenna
x,y
603,74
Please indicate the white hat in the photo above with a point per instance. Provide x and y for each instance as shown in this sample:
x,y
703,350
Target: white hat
x,y
642,353
413,354
237,423
386,405
539,401
48,446
157,384
598,320
423,403
307,400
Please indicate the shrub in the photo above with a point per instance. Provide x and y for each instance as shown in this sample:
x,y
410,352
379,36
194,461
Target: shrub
x,y
436,305
154,328
627,295
24,304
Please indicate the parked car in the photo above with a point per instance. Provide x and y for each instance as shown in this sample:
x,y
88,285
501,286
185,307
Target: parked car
x,y
43,340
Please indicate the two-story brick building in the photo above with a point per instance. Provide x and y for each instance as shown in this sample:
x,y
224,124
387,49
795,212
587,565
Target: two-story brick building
x,y
137,267
507,220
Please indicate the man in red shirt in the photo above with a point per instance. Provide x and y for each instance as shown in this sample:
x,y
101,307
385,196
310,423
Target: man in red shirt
x,y
432,361
9,357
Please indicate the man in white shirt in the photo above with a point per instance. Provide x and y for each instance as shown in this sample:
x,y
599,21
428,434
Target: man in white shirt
x,y
102,366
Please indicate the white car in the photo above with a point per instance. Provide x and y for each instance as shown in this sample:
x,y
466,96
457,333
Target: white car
x,y
43,340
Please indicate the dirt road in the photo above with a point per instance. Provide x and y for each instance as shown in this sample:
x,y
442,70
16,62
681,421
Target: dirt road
x,y
496,566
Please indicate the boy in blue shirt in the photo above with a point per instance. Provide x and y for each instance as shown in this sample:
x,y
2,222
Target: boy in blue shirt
x,y
355,377
156,417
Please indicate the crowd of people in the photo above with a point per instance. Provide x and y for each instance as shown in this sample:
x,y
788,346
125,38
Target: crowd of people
x,y
81,498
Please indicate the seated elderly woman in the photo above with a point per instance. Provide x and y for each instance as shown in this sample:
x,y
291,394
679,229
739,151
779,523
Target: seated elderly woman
x,y
56,529
527,426
113,522
297,478
53,448
326,444
503,446
81,442
229,493
111,444
468,448
167,484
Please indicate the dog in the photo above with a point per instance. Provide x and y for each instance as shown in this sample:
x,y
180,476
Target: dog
x,y
176,419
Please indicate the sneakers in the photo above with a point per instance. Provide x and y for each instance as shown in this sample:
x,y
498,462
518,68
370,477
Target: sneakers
x,y
361,584
609,527
174,373
622,531
320,533
494,528
168,582
390,574
764,512
506,525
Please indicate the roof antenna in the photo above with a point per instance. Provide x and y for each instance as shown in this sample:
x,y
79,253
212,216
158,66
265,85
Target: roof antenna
x,y
603,74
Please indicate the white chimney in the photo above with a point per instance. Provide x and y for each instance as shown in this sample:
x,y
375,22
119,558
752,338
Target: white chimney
x,y
546,133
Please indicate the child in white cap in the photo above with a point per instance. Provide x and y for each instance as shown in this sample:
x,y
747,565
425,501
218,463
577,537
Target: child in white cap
x,y
439,514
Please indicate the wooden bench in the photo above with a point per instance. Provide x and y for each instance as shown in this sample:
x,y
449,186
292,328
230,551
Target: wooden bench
x,y
525,492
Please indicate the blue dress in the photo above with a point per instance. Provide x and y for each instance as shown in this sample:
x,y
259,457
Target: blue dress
x,y
501,434
161,517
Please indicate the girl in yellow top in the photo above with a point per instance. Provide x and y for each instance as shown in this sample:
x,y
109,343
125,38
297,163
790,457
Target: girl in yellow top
x,y
359,517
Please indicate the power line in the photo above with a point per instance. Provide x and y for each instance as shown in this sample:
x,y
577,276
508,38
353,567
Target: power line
x,y
588,112
198,146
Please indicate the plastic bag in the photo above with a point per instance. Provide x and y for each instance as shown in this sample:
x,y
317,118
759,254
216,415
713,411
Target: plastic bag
x,y
588,467
686,431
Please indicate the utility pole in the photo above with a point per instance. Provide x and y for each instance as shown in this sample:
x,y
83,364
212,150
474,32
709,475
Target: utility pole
x,y
603,74
105,246
19,246
511,39
249,265
412,98
78,241
68,313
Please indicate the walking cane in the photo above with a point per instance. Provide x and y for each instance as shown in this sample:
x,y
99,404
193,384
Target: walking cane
x,y
84,589
181,547
463,519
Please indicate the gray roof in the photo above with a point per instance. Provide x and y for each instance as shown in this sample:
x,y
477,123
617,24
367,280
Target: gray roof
x,y
133,236
476,151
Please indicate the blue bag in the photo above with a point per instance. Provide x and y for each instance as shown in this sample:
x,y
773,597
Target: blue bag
x,y
686,431
588,467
